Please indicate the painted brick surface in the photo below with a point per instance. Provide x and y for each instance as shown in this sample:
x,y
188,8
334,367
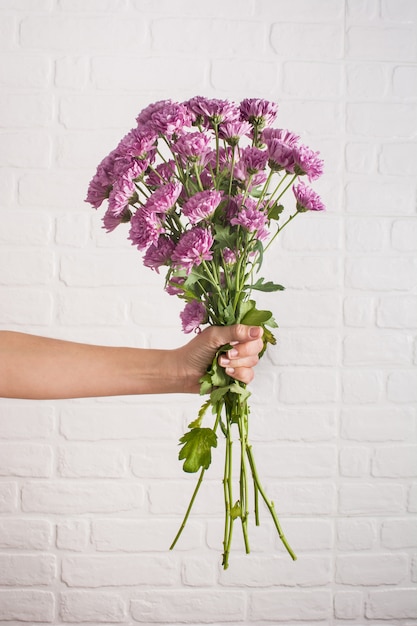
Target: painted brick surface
x,y
91,492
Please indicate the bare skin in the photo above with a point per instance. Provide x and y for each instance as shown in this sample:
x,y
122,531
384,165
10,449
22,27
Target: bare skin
x,y
33,367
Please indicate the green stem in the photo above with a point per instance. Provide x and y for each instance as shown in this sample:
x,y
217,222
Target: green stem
x,y
188,511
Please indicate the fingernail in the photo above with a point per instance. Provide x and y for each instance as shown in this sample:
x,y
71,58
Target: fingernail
x,y
224,361
254,332
230,370
232,353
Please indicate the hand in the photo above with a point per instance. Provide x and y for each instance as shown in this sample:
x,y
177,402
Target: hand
x,y
239,361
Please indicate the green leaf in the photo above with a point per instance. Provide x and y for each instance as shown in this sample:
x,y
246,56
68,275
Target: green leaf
x,y
196,423
256,318
224,236
275,211
197,449
236,510
268,286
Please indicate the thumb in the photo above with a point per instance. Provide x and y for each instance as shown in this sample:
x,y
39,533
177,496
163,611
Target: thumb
x,y
238,333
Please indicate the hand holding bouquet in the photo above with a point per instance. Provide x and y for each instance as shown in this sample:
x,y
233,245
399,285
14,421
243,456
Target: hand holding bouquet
x,y
202,185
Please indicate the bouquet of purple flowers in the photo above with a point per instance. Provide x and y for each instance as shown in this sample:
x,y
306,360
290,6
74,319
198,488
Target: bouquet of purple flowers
x,y
201,184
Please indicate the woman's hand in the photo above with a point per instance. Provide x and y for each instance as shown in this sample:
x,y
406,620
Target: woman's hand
x,y
239,361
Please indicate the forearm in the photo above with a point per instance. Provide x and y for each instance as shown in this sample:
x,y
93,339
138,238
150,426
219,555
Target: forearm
x,y
41,368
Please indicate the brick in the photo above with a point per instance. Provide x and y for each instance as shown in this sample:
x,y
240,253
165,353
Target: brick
x,y
81,497
378,424
306,348
371,569
397,312
293,424
67,32
361,157
312,235
200,573
72,72
26,459
402,386
150,535
412,499
188,605
20,421
26,306
399,533
8,30
73,229
25,110
309,534
356,534
73,152
381,274
108,73
313,118
226,74
77,308
105,268
307,41
155,461
402,11
89,606
378,348
118,571
367,81
120,422
362,10
25,534
354,461
100,6
380,198
8,497
391,604
75,461
25,71
379,43
27,569
288,605
371,499
319,273
27,605
260,570
348,604
364,235
398,159
25,149
395,462
317,10
308,310
213,37
380,120
359,311
50,189
175,502
404,82
307,386
312,80
99,111
26,228
34,267
361,386
285,461
73,534
303,498
404,234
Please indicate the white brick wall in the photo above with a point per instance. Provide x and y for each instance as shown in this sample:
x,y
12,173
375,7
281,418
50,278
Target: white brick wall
x,y
91,493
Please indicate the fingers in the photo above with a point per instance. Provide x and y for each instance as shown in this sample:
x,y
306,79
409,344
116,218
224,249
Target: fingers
x,y
240,360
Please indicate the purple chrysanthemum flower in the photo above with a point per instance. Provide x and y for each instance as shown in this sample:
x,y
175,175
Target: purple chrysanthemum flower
x,y
111,221
164,198
175,285
252,219
231,132
145,115
138,143
209,112
163,173
159,253
123,192
307,199
145,229
193,248
192,147
193,315
280,146
307,162
202,205
170,119
102,181
258,112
